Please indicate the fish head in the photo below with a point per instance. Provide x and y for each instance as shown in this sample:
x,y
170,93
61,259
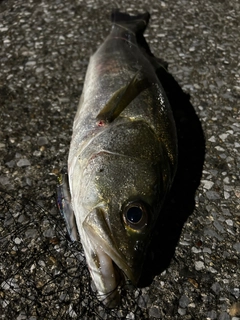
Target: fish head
x,y
127,194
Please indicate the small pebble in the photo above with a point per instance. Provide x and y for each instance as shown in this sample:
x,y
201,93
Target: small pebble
x,y
154,312
212,195
207,250
4,180
210,232
42,141
23,163
236,246
224,316
207,184
10,163
237,192
181,311
199,265
130,316
18,240
226,195
216,287
212,139
212,315
218,226
184,301
31,233
229,222
223,136
195,250
41,263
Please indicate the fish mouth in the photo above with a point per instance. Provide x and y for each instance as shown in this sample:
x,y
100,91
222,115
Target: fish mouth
x,y
108,266
110,278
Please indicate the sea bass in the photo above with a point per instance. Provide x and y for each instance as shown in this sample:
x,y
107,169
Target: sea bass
x,y
122,157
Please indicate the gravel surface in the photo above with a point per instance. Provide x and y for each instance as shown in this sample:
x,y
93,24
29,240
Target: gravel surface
x,y
193,266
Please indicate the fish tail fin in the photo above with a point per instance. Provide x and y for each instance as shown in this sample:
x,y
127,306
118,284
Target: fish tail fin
x,y
136,24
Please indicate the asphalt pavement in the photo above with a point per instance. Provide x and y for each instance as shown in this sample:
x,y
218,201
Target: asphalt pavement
x,y
193,265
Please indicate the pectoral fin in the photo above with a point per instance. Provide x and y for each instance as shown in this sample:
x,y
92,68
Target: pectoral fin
x,y
122,98
64,206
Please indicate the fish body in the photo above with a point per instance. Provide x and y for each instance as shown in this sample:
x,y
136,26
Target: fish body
x,y
122,157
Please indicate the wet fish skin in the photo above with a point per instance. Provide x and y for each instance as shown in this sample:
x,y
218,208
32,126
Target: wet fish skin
x,y
122,157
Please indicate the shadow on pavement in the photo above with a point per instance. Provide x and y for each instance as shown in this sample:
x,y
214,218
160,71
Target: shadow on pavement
x,y
180,202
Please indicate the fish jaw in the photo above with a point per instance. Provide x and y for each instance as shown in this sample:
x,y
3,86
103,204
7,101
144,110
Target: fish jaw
x,y
106,278
106,264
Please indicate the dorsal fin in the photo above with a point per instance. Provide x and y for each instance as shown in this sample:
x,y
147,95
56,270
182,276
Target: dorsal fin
x,y
122,98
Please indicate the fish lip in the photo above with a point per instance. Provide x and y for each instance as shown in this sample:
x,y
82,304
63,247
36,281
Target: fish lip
x,y
110,297
121,268
102,240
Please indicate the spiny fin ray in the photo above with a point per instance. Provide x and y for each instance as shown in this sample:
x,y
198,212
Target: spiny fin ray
x,y
122,98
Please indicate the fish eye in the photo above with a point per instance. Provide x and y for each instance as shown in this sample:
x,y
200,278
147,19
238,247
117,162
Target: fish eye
x,y
135,216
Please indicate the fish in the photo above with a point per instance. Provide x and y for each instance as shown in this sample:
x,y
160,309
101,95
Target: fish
x,y
122,158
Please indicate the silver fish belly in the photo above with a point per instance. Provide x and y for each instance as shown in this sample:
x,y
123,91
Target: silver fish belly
x,y
122,157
